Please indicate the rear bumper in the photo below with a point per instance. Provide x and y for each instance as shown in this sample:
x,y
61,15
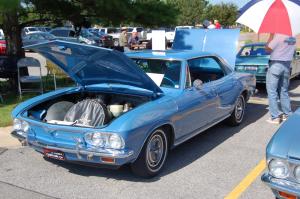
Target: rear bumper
x,y
281,185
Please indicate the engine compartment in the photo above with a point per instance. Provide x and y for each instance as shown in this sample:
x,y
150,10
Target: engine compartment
x,y
86,109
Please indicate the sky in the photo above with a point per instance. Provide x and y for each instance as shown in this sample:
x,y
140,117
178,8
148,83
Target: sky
x,y
239,3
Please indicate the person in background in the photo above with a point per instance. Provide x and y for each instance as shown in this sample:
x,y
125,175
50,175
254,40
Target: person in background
x,y
217,24
134,41
282,49
211,25
123,39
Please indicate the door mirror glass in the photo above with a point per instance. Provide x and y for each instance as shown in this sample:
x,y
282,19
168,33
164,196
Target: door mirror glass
x,y
198,84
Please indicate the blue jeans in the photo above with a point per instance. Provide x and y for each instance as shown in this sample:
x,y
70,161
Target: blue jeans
x,y
278,79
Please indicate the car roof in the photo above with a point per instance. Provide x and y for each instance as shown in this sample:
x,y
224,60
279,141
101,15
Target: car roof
x,y
168,54
62,28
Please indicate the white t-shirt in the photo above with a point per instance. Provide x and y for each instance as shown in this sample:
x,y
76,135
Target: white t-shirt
x,y
283,47
211,26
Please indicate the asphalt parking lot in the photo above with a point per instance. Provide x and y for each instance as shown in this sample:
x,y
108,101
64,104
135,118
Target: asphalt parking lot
x,y
221,162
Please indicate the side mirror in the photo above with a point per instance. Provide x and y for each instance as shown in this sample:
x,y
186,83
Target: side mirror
x,y
198,84
298,53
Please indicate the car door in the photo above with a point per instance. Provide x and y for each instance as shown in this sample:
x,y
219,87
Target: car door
x,y
225,84
196,107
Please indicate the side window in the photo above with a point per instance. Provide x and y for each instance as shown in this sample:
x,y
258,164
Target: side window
x,y
72,33
206,69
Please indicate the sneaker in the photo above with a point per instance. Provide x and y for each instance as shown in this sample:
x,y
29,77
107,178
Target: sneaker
x,y
284,117
274,121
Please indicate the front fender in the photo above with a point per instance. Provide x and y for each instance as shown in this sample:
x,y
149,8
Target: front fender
x,y
138,124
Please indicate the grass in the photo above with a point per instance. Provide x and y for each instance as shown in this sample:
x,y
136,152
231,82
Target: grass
x,y
11,100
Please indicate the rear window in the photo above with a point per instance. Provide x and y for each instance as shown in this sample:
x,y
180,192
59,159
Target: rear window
x,y
112,30
139,29
33,29
258,50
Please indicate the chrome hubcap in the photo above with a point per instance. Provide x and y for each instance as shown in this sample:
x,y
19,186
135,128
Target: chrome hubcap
x,y
155,151
239,109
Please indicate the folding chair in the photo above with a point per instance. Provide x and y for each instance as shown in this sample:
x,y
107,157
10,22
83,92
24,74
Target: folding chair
x,y
29,62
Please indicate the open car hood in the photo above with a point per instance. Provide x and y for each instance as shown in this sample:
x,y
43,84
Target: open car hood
x,y
223,42
89,65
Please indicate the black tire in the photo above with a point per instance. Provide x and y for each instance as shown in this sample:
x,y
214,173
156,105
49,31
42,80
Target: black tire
x,y
237,115
150,163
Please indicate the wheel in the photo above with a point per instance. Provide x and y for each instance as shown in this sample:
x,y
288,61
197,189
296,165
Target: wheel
x,y
153,155
237,115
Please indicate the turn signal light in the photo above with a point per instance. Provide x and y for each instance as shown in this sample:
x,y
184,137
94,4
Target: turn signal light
x,y
108,160
287,195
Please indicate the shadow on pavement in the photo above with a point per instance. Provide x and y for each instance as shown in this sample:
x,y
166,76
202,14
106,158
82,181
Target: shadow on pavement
x,y
188,152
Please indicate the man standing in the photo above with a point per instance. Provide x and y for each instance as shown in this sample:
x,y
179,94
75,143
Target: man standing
x,y
134,40
123,39
282,48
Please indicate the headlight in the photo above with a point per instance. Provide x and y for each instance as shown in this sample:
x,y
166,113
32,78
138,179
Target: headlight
x,y
17,124
297,173
105,140
20,125
278,168
115,141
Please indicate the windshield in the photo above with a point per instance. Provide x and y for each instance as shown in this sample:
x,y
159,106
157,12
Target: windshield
x,y
164,73
255,50
48,36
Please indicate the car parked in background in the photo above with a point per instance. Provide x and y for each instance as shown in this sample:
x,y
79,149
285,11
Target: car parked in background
x,y
44,28
253,58
132,108
106,40
1,34
68,34
63,33
2,47
283,160
29,30
38,37
112,31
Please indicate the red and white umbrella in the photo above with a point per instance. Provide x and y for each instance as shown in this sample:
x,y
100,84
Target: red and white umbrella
x,y
272,16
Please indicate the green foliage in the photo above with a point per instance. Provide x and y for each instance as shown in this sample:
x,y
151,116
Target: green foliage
x,y
225,13
191,12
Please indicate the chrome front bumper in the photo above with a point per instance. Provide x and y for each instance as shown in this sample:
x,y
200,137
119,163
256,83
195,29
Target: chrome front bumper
x,y
80,152
281,185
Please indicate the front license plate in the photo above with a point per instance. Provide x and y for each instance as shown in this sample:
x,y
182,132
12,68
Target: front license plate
x,y
251,68
54,154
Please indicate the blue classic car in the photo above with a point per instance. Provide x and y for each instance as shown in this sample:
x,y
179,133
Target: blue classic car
x,y
253,58
131,109
283,160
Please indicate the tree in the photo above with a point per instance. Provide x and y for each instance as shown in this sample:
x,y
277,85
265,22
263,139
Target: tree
x,y
226,13
191,12
17,14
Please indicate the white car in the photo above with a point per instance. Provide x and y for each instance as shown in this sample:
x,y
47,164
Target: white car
x,y
29,30
1,34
